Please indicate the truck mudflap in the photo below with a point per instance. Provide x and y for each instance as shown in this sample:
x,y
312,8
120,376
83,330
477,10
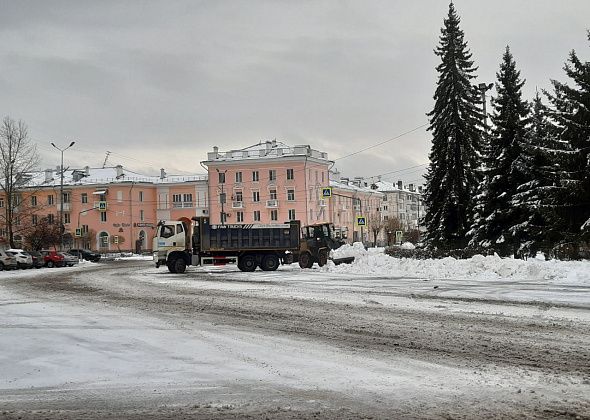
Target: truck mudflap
x,y
343,260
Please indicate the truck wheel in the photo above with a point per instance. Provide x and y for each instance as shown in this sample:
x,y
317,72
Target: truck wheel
x,y
172,265
179,266
305,260
288,259
322,257
270,262
247,263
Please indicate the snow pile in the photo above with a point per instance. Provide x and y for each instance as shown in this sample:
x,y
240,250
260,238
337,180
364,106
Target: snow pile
x,y
355,250
407,245
374,262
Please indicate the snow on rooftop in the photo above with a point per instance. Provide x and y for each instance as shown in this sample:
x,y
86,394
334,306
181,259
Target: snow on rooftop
x,y
108,175
265,150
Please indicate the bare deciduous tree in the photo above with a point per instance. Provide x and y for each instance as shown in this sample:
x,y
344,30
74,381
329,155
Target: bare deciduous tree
x,y
375,225
18,156
391,225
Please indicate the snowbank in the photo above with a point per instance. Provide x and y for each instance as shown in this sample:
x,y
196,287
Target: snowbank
x,y
373,261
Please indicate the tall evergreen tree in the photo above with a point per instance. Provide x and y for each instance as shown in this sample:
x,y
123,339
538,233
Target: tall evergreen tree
x,y
455,123
571,112
503,174
534,198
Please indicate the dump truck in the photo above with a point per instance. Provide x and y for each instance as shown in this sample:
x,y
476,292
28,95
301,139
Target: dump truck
x,y
185,242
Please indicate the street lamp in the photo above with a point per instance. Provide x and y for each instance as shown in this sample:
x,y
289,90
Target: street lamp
x,y
61,193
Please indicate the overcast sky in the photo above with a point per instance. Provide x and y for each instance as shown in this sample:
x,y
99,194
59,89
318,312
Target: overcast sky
x,y
159,83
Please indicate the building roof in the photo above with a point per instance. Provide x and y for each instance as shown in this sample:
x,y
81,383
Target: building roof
x,y
349,185
265,150
385,186
101,176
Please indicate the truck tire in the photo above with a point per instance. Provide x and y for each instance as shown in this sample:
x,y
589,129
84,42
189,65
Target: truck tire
x,y
288,259
247,263
179,266
171,265
322,257
305,260
270,262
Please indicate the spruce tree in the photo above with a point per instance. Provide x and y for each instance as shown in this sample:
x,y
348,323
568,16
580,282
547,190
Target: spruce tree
x,y
538,163
571,112
503,172
455,123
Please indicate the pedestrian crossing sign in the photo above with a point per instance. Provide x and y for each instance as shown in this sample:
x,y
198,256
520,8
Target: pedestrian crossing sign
x,y
326,192
361,221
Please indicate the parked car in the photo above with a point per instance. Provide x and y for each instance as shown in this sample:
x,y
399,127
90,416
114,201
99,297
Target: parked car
x,y
53,259
7,262
38,260
23,258
86,254
69,259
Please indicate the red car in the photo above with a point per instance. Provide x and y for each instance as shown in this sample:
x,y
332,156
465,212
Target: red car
x,y
53,259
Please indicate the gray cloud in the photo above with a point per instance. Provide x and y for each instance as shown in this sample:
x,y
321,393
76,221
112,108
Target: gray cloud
x,y
163,82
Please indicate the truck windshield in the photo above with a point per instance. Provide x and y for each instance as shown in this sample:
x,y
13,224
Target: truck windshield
x,y
166,231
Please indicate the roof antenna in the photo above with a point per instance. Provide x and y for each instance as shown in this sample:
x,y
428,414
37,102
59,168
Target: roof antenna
x,y
105,159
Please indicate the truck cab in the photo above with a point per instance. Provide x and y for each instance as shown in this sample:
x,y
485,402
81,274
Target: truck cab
x,y
172,245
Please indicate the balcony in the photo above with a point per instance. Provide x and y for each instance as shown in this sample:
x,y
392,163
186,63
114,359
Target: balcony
x,y
182,204
357,207
272,204
237,205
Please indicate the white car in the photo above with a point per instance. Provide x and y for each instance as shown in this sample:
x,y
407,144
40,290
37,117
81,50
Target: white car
x,y
7,261
23,258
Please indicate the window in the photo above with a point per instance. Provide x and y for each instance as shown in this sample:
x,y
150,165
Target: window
x,y
103,240
257,216
384,197
167,231
84,197
238,177
272,175
84,228
221,177
291,214
103,216
119,196
34,219
255,176
50,200
273,194
67,218
238,196
187,200
274,215
290,195
290,174
1,203
223,217
240,216
50,219
256,196
323,176
141,196
33,200
141,218
176,200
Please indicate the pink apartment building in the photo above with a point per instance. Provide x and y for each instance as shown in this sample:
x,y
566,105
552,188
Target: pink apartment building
x,y
272,182
111,209
269,182
107,209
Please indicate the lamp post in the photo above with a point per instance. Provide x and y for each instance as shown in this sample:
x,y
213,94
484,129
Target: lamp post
x,y
61,194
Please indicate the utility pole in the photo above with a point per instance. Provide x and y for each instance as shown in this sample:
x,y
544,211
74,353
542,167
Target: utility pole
x,y
61,195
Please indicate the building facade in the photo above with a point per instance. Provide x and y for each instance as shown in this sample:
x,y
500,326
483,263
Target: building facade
x,y
105,209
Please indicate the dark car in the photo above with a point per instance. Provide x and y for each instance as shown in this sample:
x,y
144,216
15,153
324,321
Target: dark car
x,y
53,259
38,260
86,254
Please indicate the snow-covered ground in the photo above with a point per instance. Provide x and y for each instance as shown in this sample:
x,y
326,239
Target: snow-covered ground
x,y
434,338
